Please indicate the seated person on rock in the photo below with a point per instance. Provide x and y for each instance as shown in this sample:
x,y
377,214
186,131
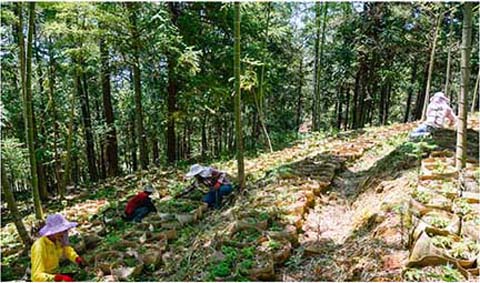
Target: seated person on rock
x,y
50,248
216,181
140,205
437,111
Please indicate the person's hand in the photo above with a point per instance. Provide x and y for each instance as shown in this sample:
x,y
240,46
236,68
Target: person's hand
x,y
62,278
81,262
217,186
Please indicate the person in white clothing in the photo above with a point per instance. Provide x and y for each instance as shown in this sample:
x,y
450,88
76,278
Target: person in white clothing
x,y
438,111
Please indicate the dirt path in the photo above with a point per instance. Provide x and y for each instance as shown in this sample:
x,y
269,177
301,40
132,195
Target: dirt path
x,y
354,230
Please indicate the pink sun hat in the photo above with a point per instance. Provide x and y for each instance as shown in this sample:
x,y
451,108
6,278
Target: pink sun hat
x,y
56,223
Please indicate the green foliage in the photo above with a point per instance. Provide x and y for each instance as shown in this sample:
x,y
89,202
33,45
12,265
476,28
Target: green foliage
x,y
248,252
445,242
451,274
422,196
462,207
103,192
112,238
14,157
439,222
221,269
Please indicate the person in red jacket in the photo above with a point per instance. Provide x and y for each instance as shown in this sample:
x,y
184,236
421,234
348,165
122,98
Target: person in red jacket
x,y
140,205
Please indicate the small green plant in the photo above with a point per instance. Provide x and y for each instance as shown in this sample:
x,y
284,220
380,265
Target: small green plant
x,y
274,245
462,207
130,261
230,253
248,252
112,239
74,239
142,249
464,249
247,236
245,265
422,196
263,216
442,242
221,269
439,222
450,274
276,226
413,274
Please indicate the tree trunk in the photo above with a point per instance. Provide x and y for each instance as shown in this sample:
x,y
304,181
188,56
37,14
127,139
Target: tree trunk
x,y
155,151
339,108
172,91
82,89
449,60
356,94
238,106
461,153
133,148
68,156
345,122
387,105
171,108
319,93
42,176
259,100
204,138
421,93
111,148
12,206
102,171
430,66
316,67
383,94
299,101
26,78
53,113
141,136
410,92
474,106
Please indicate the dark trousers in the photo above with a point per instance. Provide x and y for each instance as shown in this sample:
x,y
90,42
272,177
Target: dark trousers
x,y
138,214
214,197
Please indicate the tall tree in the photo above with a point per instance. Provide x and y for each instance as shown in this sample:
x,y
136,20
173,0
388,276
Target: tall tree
x,y
135,37
238,102
172,91
449,57
259,100
111,148
411,89
68,157
316,67
82,90
319,90
438,20
461,153
26,79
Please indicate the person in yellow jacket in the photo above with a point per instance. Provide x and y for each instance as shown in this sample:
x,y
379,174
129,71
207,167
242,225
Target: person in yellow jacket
x,y
50,248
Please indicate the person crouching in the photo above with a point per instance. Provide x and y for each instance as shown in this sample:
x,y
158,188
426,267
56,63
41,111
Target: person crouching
x,y
50,248
140,205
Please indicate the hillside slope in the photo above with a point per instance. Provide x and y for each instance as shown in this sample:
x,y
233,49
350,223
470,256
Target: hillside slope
x,y
326,209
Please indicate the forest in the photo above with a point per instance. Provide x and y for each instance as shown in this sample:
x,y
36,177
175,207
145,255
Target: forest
x,y
306,107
